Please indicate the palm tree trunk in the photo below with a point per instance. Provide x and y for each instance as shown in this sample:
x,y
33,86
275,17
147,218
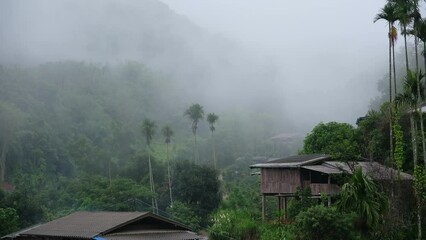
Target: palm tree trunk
x,y
406,50
197,153
390,97
109,172
3,163
413,137
419,99
195,147
419,217
168,174
394,71
151,182
214,152
419,102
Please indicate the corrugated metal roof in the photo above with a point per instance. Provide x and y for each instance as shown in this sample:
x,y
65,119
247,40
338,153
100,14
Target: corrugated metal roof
x,y
293,161
84,224
373,169
324,169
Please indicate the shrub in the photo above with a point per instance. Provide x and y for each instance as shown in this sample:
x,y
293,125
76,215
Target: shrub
x,y
319,222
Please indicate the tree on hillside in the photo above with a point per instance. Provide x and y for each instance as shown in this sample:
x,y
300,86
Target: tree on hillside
x,y
337,139
197,186
195,113
373,135
168,133
212,119
10,119
148,130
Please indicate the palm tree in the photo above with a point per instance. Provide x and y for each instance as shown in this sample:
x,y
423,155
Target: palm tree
x,y
148,130
362,196
409,98
212,119
195,113
404,14
421,33
168,133
422,36
388,13
416,23
391,15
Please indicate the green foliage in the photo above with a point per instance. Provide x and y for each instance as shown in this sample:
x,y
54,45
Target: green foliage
x,y
394,229
98,193
362,196
185,214
167,133
300,202
276,232
420,182
10,119
148,130
337,139
9,221
243,195
212,119
374,135
319,222
234,224
197,186
195,113
399,142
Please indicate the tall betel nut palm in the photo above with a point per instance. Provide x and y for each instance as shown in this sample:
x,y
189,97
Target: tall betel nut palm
x,y
212,119
168,133
148,130
195,113
389,13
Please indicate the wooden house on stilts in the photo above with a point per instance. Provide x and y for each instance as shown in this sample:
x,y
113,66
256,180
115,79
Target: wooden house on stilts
x,y
282,177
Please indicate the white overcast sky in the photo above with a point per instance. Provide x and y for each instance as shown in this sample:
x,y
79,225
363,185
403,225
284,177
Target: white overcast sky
x,y
330,52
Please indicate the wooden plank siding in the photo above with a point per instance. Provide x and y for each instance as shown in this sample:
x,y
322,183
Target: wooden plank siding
x,y
280,181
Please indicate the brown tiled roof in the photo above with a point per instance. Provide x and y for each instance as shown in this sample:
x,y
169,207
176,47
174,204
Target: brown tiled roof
x,y
84,224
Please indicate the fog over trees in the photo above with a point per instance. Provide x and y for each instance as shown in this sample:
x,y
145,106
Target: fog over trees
x,y
162,105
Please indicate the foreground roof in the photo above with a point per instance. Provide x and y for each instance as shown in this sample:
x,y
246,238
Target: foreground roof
x,y
85,224
110,225
293,161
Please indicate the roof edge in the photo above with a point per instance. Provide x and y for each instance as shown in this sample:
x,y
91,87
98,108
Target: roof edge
x,y
144,215
289,165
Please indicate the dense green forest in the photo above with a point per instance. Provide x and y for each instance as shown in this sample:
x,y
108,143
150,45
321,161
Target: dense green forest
x,y
72,138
